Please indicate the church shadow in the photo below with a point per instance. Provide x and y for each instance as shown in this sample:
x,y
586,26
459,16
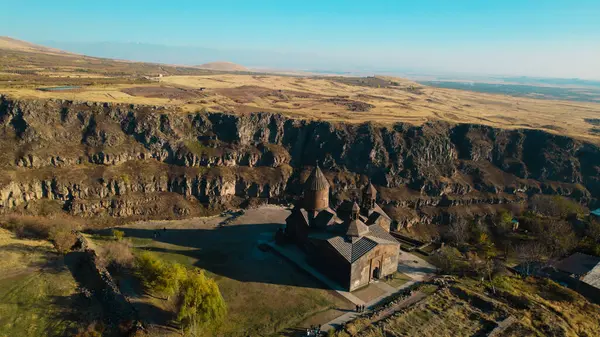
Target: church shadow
x,y
228,251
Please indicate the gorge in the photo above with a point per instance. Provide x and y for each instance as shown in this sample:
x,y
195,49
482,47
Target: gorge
x,y
123,160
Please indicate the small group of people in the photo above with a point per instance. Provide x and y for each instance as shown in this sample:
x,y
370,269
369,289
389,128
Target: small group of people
x,y
360,308
389,277
157,232
314,330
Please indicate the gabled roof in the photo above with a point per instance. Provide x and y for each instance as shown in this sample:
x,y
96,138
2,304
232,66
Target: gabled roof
x,y
316,181
370,190
378,209
376,231
325,218
300,214
593,277
578,264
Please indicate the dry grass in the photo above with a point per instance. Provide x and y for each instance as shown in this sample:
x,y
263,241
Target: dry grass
x,y
29,253
59,230
26,67
315,98
541,308
117,254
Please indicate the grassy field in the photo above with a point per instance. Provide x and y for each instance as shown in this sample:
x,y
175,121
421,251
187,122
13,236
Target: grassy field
x,y
36,289
265,294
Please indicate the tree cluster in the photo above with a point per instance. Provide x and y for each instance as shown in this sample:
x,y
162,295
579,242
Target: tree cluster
x,y
198,301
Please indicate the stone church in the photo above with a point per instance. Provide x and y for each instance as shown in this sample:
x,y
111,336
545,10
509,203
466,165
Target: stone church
x,y
352,245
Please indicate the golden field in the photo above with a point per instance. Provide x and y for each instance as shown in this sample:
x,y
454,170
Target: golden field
x,y
382,100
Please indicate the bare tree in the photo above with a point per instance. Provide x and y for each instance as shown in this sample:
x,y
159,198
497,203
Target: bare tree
x,y
459,231
559,237
531,253
492,267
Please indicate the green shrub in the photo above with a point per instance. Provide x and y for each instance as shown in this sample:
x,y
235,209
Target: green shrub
x,y
450,260
159,277
63,239
118,235
557,206
200,303
504,221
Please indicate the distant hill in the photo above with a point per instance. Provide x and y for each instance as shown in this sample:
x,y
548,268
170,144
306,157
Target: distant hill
x,y
8,43
223,66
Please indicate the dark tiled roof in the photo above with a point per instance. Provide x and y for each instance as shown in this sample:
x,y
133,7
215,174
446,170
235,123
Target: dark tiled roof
x,y
316,181
324,218
298,214
352,251
578,264
373,218
378,209
377,232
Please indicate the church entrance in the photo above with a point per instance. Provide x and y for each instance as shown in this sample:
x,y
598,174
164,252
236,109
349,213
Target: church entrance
x,y
375,268
376,273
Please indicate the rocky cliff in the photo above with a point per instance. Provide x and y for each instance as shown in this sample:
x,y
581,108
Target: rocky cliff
x,y
125,160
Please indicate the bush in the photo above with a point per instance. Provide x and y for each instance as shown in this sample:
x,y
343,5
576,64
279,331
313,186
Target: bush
x,y
556,206
159,277
58,230
63,239
28,227
450,260
592,230
116,254
504,222
118,235
200,303
92,330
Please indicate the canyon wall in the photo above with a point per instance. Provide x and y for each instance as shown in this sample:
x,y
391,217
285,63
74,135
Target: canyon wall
x,y
126,160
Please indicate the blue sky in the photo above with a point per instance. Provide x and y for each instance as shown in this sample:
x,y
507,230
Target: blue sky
x,y
544,38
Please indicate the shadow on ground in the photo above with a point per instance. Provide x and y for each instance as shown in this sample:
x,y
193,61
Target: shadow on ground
x,y
229,251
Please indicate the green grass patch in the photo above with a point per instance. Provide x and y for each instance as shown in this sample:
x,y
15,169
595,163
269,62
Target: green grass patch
x,y
256,306
199,150
37,304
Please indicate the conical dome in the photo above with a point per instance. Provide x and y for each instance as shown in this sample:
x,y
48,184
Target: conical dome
x,y
357,228
316,181
370,191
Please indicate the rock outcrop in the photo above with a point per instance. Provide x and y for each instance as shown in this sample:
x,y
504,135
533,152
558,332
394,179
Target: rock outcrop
x,y
116,159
